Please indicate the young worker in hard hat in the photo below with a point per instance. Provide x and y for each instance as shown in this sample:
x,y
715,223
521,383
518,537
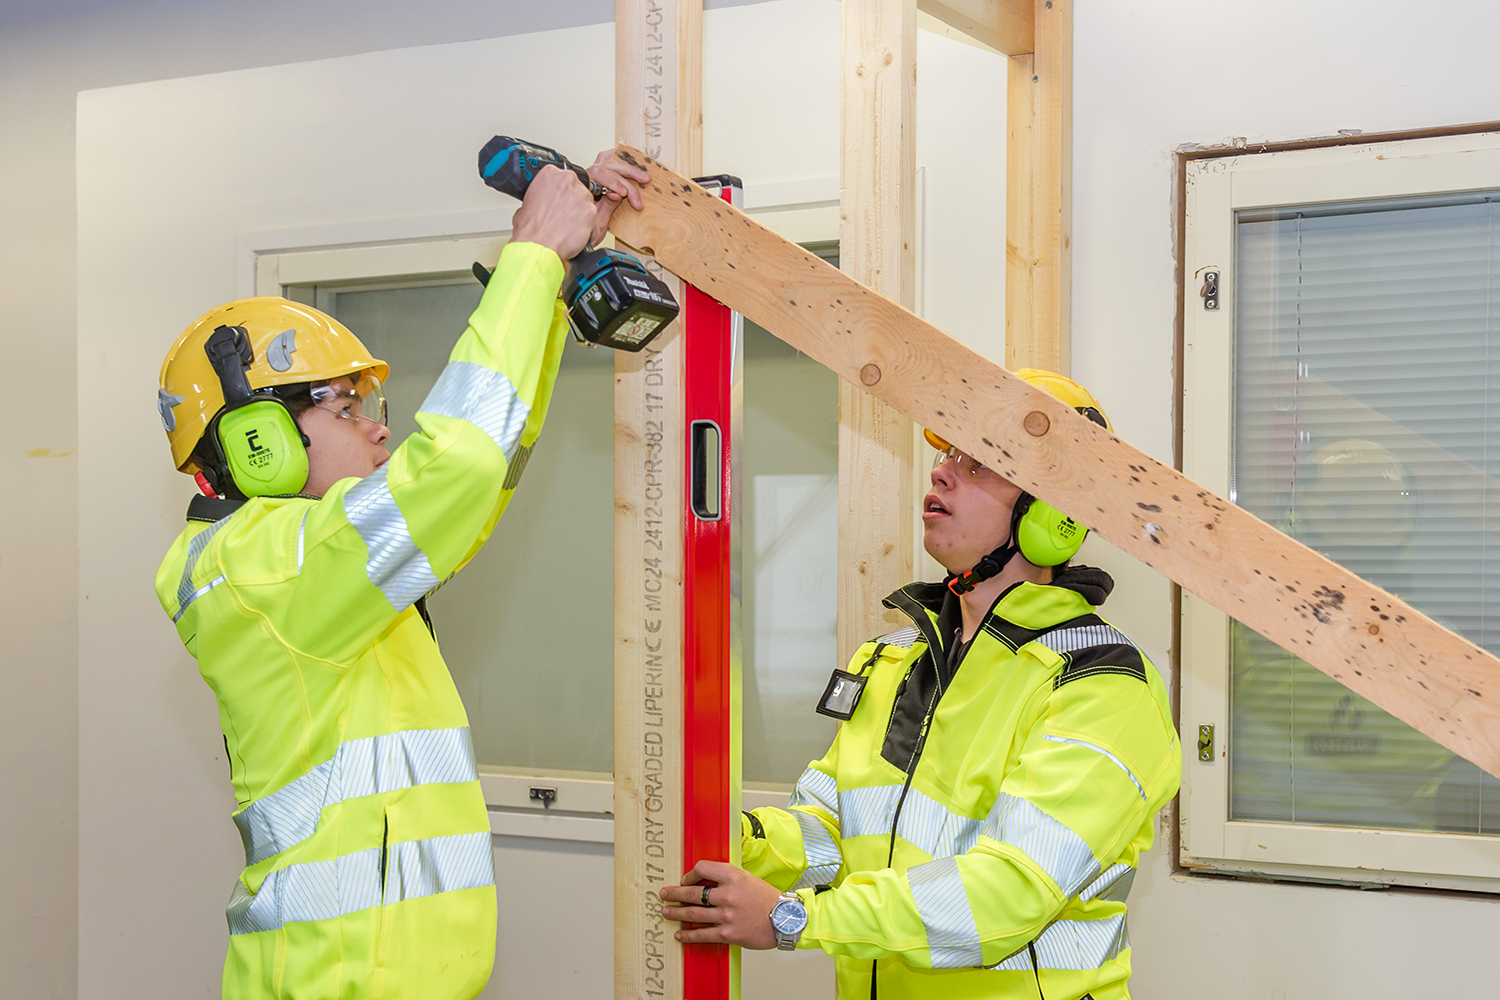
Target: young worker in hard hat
x,y
975,827
298,585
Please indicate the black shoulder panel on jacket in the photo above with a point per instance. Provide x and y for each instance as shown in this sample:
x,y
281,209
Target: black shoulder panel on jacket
x,y
1110,659
1089,646
211,509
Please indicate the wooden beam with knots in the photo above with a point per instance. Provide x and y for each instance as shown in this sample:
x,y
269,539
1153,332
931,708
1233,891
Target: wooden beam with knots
x,y
1367,639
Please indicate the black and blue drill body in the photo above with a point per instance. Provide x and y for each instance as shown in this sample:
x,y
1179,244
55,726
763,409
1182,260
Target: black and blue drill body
x,y
610,296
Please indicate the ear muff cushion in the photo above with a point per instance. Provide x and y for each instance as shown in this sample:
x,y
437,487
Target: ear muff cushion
x,y
1046,536
262,446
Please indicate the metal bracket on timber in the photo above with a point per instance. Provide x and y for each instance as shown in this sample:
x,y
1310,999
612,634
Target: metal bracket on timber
x,y
1363,637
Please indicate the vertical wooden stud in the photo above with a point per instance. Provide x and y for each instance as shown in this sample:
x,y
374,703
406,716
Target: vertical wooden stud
x,y
1039,165
658,108
876,236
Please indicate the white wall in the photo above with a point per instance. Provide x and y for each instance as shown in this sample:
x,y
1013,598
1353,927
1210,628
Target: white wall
x,y
1147,79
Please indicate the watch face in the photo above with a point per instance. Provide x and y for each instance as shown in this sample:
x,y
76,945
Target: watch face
x,y
789,916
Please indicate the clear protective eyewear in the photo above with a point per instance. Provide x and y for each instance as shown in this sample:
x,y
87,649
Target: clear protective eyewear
x,y
965,463
352,399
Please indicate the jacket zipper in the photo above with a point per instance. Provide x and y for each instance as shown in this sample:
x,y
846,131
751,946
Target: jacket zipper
x,y
911,772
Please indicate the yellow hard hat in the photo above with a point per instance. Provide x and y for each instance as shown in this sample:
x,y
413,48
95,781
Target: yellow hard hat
x,y
291,342
1062,387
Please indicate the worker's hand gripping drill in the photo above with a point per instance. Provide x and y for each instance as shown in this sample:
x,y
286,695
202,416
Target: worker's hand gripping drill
x,y
610,296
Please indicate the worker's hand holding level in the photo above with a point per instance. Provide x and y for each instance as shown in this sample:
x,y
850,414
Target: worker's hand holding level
x,y
738,910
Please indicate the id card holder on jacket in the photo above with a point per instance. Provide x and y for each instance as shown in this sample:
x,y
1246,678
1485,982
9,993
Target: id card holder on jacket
x,y
841,697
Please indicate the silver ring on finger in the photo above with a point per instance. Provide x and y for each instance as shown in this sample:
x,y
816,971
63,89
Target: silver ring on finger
x,y
704,900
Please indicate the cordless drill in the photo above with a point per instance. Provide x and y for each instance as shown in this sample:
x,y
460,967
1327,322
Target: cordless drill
x,y
610,296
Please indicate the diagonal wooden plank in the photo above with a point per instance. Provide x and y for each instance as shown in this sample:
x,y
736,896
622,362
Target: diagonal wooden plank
x,y
1003,25
1440,683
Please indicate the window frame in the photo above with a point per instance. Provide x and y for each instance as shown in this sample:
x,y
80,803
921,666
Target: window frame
x,y
1215,186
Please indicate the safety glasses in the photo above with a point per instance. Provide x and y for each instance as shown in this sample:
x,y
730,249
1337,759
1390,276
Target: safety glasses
x,y
363,398
965,463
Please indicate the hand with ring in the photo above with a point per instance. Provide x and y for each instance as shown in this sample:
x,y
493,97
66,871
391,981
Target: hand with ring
x,y
735,908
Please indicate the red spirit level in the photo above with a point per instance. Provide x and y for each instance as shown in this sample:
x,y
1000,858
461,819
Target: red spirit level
x,y
713,353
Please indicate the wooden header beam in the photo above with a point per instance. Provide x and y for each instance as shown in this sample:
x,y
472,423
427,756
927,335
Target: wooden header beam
x,y
658,106
1438,682
1007,26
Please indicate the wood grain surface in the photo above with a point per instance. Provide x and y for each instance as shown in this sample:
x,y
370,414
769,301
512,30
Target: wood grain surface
x,y
1438,682
658,105
1004,25
877,229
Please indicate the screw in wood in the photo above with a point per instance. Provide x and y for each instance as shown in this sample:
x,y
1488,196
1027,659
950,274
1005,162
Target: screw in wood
x,y
869,374
1036,423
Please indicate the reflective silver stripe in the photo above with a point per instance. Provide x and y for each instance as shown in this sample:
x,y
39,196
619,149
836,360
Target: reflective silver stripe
x,y
210,585
1067,640
925,823
323,890
815,788
943,903
484,398
395,564
186,593
820,851
928,825
368,766
1074,945
1114,884
867,812
1056,849
905,638
1100,750
301,531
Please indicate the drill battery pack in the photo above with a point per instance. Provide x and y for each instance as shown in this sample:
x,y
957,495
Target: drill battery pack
x,y
613,301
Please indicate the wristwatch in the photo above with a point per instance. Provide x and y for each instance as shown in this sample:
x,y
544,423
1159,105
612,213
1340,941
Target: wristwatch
x,y
788,919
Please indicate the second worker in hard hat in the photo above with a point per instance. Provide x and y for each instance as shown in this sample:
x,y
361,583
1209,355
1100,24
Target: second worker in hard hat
x,y
974,829
298,584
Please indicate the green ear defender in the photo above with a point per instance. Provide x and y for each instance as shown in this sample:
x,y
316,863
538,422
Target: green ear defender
x,y
1046,536
262,447
258,439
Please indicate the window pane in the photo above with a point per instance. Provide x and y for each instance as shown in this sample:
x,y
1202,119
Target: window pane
x,y
1366,360
790,556
527,628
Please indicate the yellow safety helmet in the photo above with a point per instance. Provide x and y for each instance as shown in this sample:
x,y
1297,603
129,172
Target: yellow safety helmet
x,y
1062,387
1041,533
291,342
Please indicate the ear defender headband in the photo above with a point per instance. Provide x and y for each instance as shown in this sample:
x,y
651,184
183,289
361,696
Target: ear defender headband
x,y
262,449
1041,533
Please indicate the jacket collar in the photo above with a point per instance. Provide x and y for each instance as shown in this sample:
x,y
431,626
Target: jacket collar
x,y
211,509
931,605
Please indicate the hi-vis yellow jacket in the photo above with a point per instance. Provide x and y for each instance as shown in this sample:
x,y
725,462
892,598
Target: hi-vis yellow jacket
x,y
369,871
980,815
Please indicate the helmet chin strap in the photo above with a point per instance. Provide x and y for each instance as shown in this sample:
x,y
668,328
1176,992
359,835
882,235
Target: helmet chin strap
x,y
990,565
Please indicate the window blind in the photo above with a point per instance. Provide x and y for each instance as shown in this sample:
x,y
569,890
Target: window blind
x,y
1367,425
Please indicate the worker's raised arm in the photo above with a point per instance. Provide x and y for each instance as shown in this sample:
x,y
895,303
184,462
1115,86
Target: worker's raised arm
x,y
396,535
